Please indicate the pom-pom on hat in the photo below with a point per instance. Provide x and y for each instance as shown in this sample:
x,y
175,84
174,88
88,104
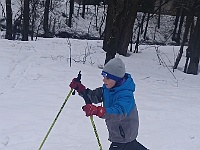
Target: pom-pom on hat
x,y
114,69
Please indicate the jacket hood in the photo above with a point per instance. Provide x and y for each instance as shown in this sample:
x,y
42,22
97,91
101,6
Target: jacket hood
x,y
127,85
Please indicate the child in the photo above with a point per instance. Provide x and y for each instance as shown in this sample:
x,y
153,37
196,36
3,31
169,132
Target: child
x,y
119,109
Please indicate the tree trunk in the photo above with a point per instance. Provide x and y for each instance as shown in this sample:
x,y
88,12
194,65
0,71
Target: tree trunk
x,y
140,30
71,12
46,19
180,27
187,50
119,25
178,13
190,15
159,13
194,49
193,66
8,20
33,13
25,21
83,10
146,27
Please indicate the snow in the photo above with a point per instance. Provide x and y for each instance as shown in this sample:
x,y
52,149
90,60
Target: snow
x,y
34,82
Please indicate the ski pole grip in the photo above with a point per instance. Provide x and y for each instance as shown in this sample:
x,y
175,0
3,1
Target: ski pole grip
x,y
78,79
85,97
79,76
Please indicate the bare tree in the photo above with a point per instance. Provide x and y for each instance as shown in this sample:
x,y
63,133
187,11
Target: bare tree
x,y
71,12
194,49
189,19
33,16
8,20
178,13
119,25
46,19
159,12
83,10
25,30
182,18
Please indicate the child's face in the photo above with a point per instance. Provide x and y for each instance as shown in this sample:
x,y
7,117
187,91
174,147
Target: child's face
x,y
109,82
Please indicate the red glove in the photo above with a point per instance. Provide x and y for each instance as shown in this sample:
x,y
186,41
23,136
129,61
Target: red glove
x,y
77,85
93,110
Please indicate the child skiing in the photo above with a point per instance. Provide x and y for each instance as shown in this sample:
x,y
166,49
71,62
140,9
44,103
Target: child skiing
x,y
119,109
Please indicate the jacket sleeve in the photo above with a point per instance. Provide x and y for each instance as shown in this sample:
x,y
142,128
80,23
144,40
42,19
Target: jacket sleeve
x,y
95,96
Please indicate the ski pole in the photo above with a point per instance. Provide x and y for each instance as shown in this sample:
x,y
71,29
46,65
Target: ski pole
x,y
55,119
70,92
87,101
96,133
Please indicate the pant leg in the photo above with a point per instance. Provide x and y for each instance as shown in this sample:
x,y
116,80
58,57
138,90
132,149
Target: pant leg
x,y
117,146
135,145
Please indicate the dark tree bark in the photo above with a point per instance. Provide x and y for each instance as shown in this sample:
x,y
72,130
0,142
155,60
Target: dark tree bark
x,y
83,10
187,50
178,13
180,27
33,14
189,19
8,20
66,10
46,19
140,30
131,41
147,23
25,21
194,49
159,13
71,12
101,23
119,25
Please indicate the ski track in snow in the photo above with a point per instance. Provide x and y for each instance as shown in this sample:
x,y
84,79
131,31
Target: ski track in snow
x,y
20,67
4,142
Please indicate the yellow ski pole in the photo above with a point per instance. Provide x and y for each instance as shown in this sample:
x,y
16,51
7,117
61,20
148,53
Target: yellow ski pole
x,y
70,92
87,101
95,131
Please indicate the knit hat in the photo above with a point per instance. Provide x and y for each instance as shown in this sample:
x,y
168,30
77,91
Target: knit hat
x,y
114,69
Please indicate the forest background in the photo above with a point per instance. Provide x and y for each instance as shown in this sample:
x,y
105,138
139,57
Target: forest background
x,y
119,23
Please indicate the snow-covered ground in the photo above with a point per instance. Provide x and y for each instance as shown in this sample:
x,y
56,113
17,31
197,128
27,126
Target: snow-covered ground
x,y
34,82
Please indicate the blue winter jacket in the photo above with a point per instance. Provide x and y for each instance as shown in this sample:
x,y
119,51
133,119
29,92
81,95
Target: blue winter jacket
x,y
121,115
